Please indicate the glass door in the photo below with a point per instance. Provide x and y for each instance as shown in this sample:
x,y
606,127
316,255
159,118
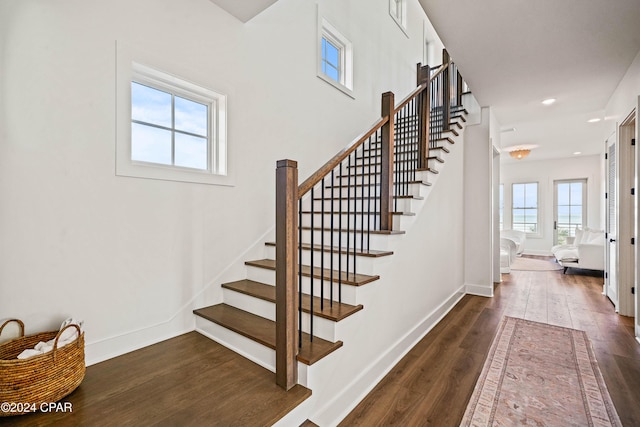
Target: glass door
x,y
570,211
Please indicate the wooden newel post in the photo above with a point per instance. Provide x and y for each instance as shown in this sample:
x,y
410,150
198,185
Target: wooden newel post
x,y
286,273
386,178
424,114
446,91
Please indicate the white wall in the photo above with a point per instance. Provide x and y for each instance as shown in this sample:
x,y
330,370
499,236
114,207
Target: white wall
x,y
624,100
545,172
130,256
478,220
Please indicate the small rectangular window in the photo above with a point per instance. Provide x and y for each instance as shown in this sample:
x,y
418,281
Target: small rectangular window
x,y
524,203
398,11
335,57
168,129
330,60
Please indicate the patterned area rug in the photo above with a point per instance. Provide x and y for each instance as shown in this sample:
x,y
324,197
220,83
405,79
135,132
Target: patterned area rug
x,y
540,375
534,264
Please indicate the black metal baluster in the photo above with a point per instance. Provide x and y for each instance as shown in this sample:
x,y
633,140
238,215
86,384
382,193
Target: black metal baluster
x,y
331,239
311,268
321,252
300,272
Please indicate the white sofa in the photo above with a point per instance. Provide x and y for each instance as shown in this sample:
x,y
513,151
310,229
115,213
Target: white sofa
x,y
518,237
586,251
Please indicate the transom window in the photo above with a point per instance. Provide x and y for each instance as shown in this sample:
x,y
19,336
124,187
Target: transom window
x,y
168,129
524,202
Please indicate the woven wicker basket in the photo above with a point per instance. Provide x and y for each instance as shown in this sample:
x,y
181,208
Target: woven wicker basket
x,y
39,379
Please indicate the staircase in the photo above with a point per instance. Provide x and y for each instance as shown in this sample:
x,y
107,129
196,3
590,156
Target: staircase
x,y
335,231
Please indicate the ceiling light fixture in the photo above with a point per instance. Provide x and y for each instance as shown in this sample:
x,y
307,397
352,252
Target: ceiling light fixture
x,y
595,120
549,101
577,153
519,154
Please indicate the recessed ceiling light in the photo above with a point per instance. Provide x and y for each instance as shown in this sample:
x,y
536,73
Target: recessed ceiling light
x,y
508,130
549,101
596,120
577,153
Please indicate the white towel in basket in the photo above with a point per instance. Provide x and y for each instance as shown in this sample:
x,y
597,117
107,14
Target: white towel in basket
x,y
66,337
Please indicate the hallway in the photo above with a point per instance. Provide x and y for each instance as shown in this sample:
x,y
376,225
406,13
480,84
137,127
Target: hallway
x,y
433,382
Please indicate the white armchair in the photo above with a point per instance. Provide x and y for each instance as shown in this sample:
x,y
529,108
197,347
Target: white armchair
x,y
587,251
517,236
507,254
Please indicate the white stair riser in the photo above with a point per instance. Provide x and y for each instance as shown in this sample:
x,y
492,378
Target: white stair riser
x,y
434,164
376,241
399,205
416,189
364,264
269,276
256,352
353,222
322,328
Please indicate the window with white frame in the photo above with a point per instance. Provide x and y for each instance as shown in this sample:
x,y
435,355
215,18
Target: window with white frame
x,y
524,207
176,130
335,58
398,11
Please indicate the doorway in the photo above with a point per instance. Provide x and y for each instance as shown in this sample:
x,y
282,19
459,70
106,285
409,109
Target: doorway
x,y
570,209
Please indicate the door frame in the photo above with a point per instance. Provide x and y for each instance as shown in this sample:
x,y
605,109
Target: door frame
x,y
610,287
625,212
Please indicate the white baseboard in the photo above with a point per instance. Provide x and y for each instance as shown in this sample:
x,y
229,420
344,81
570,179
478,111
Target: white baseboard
x,y
479,290
342,404
108,348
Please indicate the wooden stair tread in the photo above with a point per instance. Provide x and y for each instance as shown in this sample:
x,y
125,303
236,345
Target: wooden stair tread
x,y
374,184
344,212
436,158
335,312
445,149
263,331
447,139
368,253
406,196
435,171
346,278
344,230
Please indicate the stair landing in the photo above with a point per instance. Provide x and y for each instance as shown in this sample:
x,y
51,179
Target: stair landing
x,y
186,380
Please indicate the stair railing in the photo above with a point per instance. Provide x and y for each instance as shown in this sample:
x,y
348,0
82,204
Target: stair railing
x,y
334,212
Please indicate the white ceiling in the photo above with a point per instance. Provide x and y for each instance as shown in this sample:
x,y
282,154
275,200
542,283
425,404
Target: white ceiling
x,y
516,53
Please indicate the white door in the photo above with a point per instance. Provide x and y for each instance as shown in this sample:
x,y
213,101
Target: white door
x,y
610,281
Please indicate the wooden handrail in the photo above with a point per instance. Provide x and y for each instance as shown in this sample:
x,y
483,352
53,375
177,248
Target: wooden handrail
x,y
338,158
442,68
409,97
381,138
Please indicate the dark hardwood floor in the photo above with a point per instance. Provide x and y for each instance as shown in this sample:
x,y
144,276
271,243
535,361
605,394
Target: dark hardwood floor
x,y
191,380
434,381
